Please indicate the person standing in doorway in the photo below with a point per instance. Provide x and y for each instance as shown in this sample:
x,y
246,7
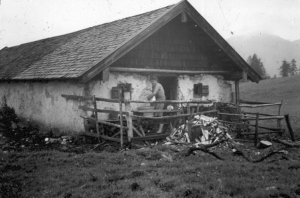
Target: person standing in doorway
x,y
159,93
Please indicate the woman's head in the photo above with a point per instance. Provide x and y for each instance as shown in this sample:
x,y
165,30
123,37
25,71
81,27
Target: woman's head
x,y
153,79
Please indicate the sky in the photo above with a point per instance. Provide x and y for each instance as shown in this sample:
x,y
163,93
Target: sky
x,y
23,21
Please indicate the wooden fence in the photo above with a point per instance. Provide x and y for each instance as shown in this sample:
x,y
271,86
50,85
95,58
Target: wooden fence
x,y
133,118
136,132
252,119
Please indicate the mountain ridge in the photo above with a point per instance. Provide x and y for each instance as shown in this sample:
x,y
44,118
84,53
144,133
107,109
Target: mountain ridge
x,y
270,48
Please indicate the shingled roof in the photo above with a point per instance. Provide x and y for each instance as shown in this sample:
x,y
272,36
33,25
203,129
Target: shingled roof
x,y
85,53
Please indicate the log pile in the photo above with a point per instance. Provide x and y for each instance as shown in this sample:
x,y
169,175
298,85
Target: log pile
x,y
201,129
210,134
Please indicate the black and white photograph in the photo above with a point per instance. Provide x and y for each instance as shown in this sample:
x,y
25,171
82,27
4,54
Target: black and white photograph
x,y
149,98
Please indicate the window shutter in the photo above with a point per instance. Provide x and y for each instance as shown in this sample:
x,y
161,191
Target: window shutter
x,y
201,90
198,89
205,90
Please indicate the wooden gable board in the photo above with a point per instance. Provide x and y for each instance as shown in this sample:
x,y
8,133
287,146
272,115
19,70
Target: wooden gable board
x,y
134,41
222,43
182,6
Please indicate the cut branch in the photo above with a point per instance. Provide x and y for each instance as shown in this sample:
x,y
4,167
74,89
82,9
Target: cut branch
x,y
286,143
239,151
204,148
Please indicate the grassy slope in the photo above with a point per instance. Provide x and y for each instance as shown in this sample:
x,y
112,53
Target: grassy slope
x,y
275,90
143,173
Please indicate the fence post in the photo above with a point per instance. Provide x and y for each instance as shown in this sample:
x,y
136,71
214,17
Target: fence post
x,y
129,120
279,121
96,116
188,108
256,129
237,95
121,119
287,119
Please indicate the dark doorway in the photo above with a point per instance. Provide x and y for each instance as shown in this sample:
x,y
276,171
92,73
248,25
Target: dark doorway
x,y
169,84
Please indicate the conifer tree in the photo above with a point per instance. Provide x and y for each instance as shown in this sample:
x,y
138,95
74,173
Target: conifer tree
x,y
257,65
293,68
284,69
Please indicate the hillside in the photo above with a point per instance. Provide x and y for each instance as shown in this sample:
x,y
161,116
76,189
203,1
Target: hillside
x,y
297,42
270,48
275,90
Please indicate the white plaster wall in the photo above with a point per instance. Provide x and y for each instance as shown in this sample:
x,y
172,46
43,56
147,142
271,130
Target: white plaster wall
x,y
42,103
141,88
219,90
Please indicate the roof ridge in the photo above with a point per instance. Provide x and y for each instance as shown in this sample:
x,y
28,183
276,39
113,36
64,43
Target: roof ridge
x,y
144,13
85,29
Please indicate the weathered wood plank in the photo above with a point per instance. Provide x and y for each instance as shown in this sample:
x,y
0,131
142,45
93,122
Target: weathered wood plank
x,y
150,137
175,116
156,111
107,100
137,132
85,108
74,97
253,102
141,70
261,105
171,101
204,112
162,118
261,132
271,129
263,114
227,122
232,114
104,122
264,118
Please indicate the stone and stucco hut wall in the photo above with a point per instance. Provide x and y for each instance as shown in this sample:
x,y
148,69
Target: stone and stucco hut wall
x,y
42,103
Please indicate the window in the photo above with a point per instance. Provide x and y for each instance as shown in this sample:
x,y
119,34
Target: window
x,y
124,88
200,90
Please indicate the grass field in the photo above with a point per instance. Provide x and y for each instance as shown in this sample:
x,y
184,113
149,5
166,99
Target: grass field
x,y
275,90
146,173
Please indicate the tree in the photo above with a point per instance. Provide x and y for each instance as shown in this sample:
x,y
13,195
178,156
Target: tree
x,y
257,65
293,67
284,69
